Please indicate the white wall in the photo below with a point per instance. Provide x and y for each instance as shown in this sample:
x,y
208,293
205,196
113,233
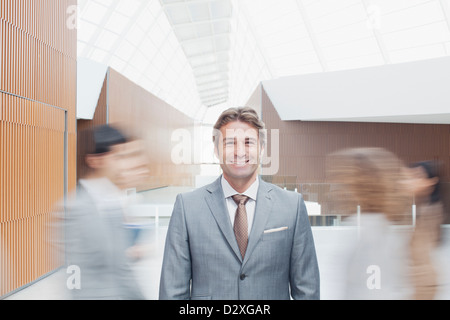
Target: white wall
x,y
90,78
414,92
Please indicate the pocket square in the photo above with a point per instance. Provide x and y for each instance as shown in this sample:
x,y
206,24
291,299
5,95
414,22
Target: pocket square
x,y
275,230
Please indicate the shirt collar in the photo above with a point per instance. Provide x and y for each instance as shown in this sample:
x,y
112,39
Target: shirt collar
x,y
251,192
103,191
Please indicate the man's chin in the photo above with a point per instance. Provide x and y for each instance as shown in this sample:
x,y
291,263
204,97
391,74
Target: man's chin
x,y
240,172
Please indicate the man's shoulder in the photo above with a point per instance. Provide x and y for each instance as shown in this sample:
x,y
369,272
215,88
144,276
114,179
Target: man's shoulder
x,y
201,192
277,191
280,192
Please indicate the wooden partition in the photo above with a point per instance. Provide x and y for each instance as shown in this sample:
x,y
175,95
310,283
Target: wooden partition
x,y
100,118
304,146
37,133
142,114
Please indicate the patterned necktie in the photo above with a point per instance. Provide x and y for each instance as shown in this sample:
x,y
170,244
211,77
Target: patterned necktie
x,y
241,223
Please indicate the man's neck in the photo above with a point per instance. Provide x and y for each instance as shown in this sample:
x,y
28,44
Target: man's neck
x,y
240,185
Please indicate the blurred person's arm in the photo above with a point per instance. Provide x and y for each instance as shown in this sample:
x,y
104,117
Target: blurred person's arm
x,y
176,268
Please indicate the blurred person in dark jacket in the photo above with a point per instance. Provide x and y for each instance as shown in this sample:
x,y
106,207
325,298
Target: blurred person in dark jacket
x,y
96,240
425,184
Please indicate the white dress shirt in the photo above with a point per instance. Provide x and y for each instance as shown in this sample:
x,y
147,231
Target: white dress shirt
x,y
251,192
106,195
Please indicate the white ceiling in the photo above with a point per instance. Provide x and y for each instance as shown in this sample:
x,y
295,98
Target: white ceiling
x,y
203,29
204,55
410,92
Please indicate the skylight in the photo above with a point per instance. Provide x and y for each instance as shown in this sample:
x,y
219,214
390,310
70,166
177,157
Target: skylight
x,y
203,55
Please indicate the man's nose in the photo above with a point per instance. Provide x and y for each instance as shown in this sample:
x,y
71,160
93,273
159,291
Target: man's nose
x,y
240,149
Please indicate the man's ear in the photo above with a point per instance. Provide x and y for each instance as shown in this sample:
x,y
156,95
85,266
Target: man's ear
x,y
216,151
215,138
94,161
261,152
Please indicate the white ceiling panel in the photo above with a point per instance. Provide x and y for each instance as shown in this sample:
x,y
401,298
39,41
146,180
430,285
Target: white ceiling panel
x,y
204,53
203,30
199,11
429,34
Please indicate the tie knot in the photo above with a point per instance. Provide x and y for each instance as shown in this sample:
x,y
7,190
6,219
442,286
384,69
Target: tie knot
x,y
240,199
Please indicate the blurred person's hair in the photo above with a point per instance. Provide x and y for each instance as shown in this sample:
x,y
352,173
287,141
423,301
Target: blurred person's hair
x,y
97,141
374,179
432,169
242,114
107,136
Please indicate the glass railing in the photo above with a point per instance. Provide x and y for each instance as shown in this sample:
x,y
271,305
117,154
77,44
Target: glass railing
x,y
325,209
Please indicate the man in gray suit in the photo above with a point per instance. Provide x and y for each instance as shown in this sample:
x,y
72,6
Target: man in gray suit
x,y
239,238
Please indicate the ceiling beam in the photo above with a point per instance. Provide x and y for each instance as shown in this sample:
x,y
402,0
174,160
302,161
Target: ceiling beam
x,y
196,23
212,88
205,53
376,32
312,35
214,95
446,9
182,3
132,20
91,44
216,103
211,37
258,41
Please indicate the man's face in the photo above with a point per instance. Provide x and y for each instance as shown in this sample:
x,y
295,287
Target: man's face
x,y
239,150
126,164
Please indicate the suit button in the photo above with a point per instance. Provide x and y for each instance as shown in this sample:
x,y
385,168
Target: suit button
x,y
243,276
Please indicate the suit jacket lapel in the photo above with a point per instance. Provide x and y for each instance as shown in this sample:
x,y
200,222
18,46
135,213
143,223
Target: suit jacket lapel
x,y
263,209
216,202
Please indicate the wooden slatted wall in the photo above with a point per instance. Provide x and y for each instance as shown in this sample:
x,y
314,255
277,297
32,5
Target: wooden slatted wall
x,y
82,124
305,145
37,93
147,116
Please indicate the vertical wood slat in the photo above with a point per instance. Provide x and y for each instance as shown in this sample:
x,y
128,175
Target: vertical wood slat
x,y
38,73
411,142
303,140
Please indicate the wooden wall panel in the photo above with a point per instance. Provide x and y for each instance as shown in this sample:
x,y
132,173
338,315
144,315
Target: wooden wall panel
x,y
37,93
255,101
304,146
100,118
124,103
149,117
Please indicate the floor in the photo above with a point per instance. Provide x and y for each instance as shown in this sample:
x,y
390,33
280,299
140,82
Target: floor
x,y
328,240
148,270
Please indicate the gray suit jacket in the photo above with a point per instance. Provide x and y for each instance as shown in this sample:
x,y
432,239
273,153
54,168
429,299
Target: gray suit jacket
x,y
96,242
202,259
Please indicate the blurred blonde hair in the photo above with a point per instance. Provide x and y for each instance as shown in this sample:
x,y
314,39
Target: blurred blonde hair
x,y
374,179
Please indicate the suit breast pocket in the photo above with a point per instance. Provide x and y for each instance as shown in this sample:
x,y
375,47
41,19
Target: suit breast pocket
x,y
273,236
275,247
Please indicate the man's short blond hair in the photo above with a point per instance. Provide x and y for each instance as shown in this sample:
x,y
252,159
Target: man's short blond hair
x,y
242,114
